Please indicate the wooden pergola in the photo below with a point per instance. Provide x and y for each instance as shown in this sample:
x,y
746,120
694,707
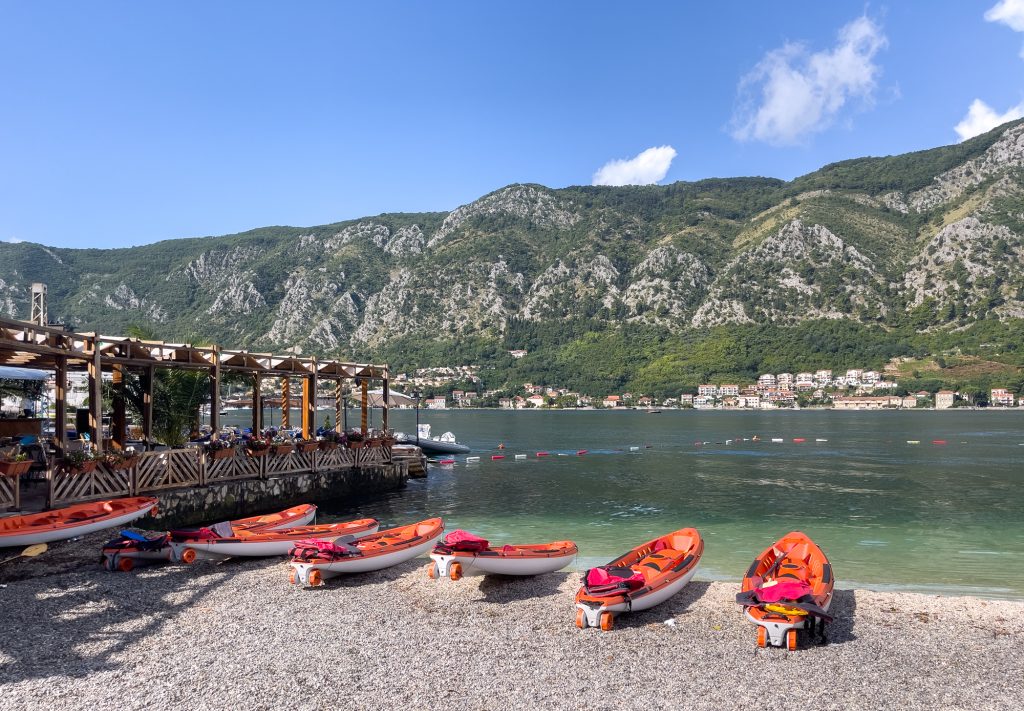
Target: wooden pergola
x,y
30,345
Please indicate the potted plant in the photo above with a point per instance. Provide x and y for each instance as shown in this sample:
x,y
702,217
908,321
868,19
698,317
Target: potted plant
x,y
79,462
355,440
15,465
307,446
256,448
280,446
220,449
331,440
120,461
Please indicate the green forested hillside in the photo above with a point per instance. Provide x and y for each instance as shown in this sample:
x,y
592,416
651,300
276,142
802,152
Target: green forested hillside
x,y
650,288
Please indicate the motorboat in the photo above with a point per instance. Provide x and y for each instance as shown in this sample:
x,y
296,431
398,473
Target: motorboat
x,y
441,444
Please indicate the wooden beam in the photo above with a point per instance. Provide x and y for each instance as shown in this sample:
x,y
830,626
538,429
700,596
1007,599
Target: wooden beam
x,y
148,381
257,405
119,422
384,417
215,392
339,403
96,397
60,425
286,404
308,405
364,405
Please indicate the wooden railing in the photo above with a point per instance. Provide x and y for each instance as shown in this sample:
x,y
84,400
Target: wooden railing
x,y
178,468
10,493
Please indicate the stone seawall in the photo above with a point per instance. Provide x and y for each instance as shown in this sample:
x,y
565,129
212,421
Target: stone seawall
x,y
249,497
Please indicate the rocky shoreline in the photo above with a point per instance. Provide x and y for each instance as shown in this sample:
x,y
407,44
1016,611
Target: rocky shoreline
x,y
237,635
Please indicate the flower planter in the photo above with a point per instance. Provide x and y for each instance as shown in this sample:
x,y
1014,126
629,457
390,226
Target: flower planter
x,y
389,441
125,464
256,453
307,447
281,449
356,444
11,468
225,453
374,442
325,446
84,468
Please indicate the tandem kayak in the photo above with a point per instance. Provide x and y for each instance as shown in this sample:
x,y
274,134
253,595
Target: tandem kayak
x,y
123,552
461,553
311,565
261,544
77,520
787,588
642,578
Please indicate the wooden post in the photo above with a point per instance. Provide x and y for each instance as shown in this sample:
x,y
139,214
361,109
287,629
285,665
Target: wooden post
x,y
257,405
96,396
286,405
339,403
60,426
148,379
215,392
119,422
308,406
364,405
384,417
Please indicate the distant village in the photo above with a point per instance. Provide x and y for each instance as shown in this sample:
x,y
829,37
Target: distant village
x,y
856,389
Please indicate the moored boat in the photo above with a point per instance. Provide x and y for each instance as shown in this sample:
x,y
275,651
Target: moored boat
x,y
788,588
261,544
123,552
642,578
72,521
311,565
461,553
431,446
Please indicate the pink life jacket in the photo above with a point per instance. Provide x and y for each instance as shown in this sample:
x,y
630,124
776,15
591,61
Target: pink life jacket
x,y
311,548
785,590
465,541
612,580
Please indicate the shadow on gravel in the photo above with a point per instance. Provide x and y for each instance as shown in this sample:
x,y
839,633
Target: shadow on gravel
x,y
87,622
507,588
673,607
844,609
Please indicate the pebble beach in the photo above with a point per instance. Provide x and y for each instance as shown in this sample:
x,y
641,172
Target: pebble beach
x,y
236,635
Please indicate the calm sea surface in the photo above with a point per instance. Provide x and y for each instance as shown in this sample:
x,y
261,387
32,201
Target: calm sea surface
x,y
927,517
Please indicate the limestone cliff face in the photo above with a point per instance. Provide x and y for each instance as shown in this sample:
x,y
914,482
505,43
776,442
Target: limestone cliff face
x,y
856,244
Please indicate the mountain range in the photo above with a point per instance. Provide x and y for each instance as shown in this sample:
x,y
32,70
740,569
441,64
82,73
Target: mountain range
x,y
654,287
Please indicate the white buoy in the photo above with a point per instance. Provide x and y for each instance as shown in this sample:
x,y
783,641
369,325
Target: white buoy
x,y
777,439
520,456
469,460
634,449
821,440
728,441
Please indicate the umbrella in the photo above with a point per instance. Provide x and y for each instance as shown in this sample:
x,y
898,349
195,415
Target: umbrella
x,y
375,398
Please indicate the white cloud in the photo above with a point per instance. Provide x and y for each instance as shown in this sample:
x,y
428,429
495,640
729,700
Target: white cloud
x,y
981,118
1009,12
792,93
648,167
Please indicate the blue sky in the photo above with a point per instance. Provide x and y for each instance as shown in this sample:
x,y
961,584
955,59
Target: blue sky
x,y
127,123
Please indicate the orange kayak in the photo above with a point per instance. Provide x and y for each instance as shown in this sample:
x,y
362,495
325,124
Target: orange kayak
x,y
261,543
78,520
788,588
642,578
128,550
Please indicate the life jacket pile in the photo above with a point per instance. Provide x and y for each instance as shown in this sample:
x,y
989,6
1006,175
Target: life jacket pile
x,y
317,549
608,580
136,541
462,542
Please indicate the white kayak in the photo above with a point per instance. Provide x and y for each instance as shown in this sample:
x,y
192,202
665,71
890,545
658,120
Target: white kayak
x,y
375,552
262,544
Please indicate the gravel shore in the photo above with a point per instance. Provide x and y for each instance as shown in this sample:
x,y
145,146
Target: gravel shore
x,y
236,635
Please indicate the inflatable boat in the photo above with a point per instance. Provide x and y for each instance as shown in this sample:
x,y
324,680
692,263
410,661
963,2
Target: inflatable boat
x,y
314,562
261,544
461,553
788,588
123,552
642,578
78,520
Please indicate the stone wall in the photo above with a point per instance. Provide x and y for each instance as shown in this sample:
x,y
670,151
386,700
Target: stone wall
x,y
250,497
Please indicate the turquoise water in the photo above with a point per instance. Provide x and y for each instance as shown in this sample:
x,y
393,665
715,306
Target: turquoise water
x,y
934,518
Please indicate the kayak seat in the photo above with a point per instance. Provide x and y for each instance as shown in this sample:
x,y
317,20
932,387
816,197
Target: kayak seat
x,y
655,564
